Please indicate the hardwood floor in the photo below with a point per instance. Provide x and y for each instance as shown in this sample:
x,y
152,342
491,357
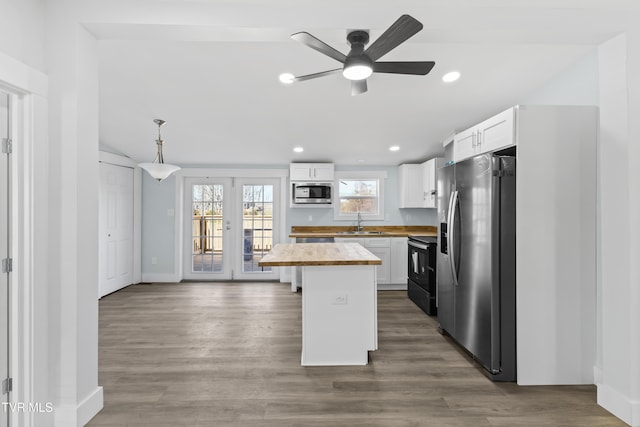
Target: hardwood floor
x,y
228,354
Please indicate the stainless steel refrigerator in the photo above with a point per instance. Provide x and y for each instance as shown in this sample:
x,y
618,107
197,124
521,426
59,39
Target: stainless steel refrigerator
x,y
476,260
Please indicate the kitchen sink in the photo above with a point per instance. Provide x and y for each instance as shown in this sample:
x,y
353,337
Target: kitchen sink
x,y
360,232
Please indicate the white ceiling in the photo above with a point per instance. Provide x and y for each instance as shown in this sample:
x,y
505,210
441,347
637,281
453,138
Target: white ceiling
x,y
210,69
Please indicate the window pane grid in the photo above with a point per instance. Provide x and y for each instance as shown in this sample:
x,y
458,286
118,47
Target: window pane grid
x,y
206,228
257,220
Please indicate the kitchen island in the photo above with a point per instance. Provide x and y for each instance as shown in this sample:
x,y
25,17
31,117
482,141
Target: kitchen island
x,y
339,301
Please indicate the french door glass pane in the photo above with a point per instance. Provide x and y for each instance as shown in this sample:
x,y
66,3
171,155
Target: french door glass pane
x,y
257,225
206,234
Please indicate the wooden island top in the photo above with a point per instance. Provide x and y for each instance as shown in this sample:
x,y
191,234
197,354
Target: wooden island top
x,y
308,254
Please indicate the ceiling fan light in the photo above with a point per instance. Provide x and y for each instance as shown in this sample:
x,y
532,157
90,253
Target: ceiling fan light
x,y
357,72
286,78
451,77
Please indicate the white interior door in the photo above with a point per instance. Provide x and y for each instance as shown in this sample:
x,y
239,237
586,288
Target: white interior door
x,y
4,256
115,228
208,223
257,209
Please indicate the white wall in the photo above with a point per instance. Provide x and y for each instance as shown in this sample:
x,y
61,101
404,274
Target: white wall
x,y
22,31
73,216
577,85
158,229
619,271
610,77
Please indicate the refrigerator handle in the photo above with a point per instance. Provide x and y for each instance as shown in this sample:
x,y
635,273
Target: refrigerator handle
x,y
453,202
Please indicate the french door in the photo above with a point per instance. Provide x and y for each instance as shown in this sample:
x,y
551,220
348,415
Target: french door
x,y
257,207
5,250
230,224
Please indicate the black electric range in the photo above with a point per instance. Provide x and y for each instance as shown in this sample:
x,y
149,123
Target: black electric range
x,y
421,282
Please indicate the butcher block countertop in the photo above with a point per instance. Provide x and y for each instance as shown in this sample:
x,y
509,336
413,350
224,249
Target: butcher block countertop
x,y
350,231
306,254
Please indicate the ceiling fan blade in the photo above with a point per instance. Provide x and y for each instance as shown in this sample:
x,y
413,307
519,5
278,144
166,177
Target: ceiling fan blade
x,y
418,68
405,27
319,45
358,87
316,75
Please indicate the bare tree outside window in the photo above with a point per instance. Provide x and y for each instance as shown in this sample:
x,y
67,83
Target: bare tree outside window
x,y
359,196
207,227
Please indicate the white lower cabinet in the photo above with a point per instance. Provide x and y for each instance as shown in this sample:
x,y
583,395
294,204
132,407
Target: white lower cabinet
x,y
392,273
399,260
383,271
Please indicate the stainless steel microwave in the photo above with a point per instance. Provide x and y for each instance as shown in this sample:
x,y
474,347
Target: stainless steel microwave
x,y
312,193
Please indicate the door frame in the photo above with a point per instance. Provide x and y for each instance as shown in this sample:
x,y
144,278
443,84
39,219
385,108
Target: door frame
x,y
238,173
29,301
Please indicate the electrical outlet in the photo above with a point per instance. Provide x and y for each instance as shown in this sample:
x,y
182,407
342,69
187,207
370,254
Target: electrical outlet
x,y
154,260
171,212
339,299
310,218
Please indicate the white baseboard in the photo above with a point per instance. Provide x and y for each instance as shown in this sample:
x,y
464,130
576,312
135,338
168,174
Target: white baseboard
x,y
619,405
160,278
69,415
392,287
90,406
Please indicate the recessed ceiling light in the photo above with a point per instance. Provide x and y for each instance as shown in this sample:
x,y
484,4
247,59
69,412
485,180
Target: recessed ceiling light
x,y
286,78
394,148
451,77
298,149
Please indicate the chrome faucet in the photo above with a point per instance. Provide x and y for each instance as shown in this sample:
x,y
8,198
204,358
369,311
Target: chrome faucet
x,y
359,229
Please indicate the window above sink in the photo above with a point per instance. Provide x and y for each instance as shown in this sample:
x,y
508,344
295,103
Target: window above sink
x,y
359,192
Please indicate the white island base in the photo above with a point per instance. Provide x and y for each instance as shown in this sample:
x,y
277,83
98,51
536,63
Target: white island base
x,y
339,300
339,314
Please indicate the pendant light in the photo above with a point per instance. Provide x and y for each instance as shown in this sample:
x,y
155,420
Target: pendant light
x,y
159,169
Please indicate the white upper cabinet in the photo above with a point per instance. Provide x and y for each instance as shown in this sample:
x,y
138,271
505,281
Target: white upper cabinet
x,y
430,182
417,184
497,132
490,135
311,172
410,182
464,144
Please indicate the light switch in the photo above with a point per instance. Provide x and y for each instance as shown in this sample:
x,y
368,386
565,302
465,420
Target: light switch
x,y
339,299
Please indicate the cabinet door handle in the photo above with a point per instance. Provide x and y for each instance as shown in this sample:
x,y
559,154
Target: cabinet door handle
x,y
479,143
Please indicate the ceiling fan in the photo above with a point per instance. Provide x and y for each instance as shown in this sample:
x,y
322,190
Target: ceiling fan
x,y
359,63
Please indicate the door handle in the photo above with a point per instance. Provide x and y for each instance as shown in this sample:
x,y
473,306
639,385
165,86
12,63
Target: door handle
x,y
451,235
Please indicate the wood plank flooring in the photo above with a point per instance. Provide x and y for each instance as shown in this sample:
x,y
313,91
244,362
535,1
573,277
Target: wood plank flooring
x,y
228,354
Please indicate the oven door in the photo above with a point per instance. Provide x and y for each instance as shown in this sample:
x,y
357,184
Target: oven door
x,y
419,268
